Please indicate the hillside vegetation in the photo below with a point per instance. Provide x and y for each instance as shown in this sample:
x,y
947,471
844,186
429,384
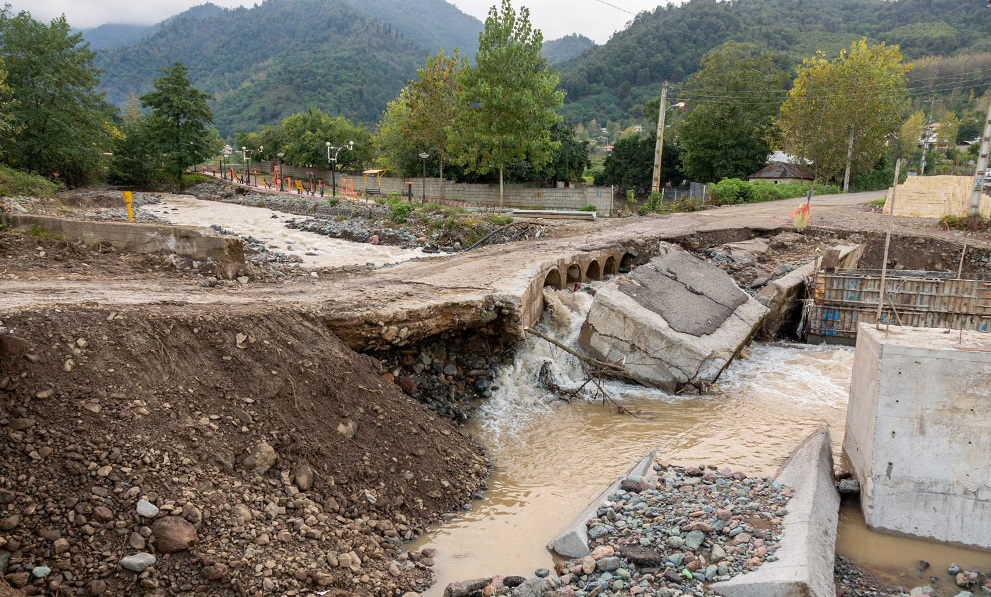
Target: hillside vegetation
x,y
283,56
613,80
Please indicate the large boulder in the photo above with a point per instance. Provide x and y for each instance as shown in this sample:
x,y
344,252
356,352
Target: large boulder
x,y
672,322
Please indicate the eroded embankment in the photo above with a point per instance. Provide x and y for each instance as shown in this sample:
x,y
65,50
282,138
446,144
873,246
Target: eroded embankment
x,y
277,458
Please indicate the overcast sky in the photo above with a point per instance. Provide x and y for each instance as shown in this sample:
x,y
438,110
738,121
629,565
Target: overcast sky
x,y
597,19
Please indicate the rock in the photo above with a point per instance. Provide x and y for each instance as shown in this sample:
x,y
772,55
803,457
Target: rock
x,y
466,588
533,587
172,534
214,571
260,459
40,571
95,588
542,573
642,556
607,564
137,562
10,523
303,477
146,509
849,487
103,514
136,541
61,546
694,540
348,429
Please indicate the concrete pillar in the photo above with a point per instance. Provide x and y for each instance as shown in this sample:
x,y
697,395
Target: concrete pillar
x,y
918,432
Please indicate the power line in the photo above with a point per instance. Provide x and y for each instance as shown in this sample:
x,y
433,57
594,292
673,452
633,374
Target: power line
x,y
616,7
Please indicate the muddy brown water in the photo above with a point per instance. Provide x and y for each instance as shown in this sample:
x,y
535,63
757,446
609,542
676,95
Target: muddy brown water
x,y
552,458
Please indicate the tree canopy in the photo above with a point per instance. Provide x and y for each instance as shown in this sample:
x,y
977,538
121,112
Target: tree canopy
x,y
507,100
179,122
62,123
731,101
863,89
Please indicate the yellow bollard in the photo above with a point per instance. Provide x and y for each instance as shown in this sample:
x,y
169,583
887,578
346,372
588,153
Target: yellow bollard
x,y
127,201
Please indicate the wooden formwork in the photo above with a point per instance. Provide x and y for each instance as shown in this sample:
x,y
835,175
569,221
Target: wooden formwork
x,y
845,298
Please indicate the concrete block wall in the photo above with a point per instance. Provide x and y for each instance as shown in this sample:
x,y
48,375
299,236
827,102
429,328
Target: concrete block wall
x,y
515,196
918,432
935,197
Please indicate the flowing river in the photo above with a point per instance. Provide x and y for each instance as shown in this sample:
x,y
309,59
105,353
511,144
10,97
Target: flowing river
x,y
551,457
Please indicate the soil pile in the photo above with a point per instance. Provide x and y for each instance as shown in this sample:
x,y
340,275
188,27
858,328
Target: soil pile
x,y
167,450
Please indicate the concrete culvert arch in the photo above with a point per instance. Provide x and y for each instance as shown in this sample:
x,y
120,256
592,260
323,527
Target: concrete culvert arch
x,y
612,267
553,279
628,263
593,272
574,274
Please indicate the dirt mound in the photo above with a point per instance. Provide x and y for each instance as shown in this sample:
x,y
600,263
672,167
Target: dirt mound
x,y
255,437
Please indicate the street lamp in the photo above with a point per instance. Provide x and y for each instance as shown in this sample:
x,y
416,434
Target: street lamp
x,y
332,160
246,156
282,174
423,156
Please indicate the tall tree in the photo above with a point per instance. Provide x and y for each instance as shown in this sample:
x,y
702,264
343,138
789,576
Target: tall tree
x,y
178,125
731,103
62,123
6,118
393,139
305,136
864,88
507,100
433,103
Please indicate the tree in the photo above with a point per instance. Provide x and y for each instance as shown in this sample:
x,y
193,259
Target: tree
x,y
731,101
178,126
864,88
433,105
6,118
305,136
570,159
910,136
62,124
631,163
393,138
507,101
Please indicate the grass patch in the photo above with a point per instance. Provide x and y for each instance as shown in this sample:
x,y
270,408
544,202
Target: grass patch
x,y
36,231
878,202
972,223
14,183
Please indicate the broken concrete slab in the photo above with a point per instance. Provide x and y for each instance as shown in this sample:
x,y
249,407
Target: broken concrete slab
x,y
674,321
808,540
783,296
191,243
573,541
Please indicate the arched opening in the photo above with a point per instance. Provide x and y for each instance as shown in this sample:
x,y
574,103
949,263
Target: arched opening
x,y
553,279
627,264
611,267
574,275
593,272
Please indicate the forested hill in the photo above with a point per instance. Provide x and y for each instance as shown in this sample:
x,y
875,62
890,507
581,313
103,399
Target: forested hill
x,y
566,48
613,80
116,35
347,57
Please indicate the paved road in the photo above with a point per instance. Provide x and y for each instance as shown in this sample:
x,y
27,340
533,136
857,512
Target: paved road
x,y
422,295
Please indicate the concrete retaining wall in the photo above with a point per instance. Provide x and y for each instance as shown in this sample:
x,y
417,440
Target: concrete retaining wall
x,y
808,540
192,243
935,197
782,296
918,432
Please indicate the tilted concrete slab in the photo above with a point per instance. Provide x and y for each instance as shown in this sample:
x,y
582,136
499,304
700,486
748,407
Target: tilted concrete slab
x,y
672,322
573,541
781,296
192,243
917,432
808,541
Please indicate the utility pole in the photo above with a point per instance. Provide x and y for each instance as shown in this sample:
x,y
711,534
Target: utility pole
x,y
982,166
849,162
925,140
655,184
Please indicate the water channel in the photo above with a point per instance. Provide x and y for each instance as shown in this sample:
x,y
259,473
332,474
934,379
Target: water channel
x,y
551,457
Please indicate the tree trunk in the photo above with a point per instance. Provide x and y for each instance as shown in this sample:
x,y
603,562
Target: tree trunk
x,y
500,186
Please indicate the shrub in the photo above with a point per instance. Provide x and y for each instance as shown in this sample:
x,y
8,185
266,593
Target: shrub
x,y
332,201
500,220
588,208
400,211
971,223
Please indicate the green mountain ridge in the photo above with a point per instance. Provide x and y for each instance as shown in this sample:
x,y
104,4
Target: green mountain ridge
x,y
613,80
345,57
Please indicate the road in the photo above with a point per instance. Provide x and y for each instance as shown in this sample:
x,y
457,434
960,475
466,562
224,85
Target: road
x,y
457,288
